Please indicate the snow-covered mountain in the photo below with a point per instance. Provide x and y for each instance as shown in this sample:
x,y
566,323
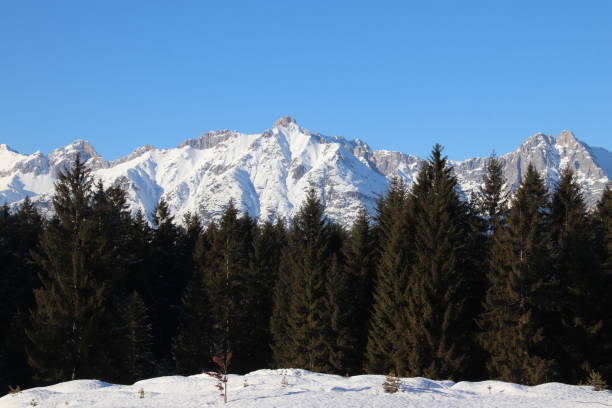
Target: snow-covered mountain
x,y
268,174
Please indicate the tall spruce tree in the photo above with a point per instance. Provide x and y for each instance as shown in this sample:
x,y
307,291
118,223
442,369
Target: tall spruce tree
x,y
19,235
281,345
386,345
441,284
170,273
518,301
301,319
491,207
492,200
602,237
579,281
343,341
225,272
261,276
65,340
360,263
111,221
604,221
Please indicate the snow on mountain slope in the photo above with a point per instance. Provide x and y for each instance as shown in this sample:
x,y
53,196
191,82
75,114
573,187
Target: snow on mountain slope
x,y
300,389
268,174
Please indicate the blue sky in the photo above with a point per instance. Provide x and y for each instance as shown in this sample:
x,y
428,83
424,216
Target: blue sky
x,y
472,75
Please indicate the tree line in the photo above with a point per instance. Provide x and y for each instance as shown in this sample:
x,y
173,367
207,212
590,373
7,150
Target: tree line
x,y
512,288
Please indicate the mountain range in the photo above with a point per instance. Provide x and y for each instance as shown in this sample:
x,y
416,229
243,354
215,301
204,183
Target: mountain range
x,y
268,174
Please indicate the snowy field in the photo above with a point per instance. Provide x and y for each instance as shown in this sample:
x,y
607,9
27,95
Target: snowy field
x,y
300,388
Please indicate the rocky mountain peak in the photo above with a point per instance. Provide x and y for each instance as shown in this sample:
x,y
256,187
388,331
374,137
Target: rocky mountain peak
x,y
85,147
567,137
135,154
209,140
538,139
62,157
285,121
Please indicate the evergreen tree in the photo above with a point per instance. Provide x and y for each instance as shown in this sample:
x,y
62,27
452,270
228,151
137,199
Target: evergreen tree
x,y
136,338
602,237
66,334
112,222
170,272
225,272
492,201
281,345
604,218
385,350
188,239
19,234
517,303
440,286
261,276
111,219
491,211
579,281
341,303
360,263
301,319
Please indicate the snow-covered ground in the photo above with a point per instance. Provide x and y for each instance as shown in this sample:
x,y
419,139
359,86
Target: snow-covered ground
x,y
299,388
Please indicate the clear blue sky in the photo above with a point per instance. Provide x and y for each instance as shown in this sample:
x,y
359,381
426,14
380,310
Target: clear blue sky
x,y
472,75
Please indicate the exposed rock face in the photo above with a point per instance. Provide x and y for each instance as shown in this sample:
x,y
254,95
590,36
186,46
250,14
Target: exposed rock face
x,y
268,174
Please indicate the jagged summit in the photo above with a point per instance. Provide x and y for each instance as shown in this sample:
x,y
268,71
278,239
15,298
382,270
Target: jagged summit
x,y
135,154
284,121
567,137
209,139
85,147
268,173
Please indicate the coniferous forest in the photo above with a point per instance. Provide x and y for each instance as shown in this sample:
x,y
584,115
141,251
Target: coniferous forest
x,y
511,287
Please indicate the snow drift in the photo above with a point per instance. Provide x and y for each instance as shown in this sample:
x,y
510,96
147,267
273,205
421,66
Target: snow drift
x,y
300,388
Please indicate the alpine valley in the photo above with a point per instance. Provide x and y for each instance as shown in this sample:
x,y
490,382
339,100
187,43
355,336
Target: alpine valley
x,y
268,174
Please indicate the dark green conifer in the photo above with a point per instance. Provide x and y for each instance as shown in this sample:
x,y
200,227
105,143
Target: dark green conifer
x,y
226,275
491,209
602,237
517,303
261,276
281,345
360,262
385,350
301,319
492,200
440,287
579,281
343,340
19,235
66,337
170,273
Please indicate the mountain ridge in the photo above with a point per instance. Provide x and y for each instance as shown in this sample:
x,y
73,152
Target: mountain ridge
x,y
268,173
